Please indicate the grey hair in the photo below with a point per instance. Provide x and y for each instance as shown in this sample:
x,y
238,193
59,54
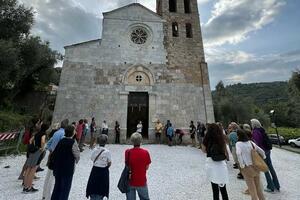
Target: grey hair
x,y
246,127
255,123
102,140
136,139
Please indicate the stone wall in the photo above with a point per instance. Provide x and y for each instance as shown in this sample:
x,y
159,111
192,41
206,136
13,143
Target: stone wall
x,y
98,75
82,95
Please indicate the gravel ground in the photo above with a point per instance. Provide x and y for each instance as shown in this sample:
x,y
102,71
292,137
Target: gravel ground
x,y
176,173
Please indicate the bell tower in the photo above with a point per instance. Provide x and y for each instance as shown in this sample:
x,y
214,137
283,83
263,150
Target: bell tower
x,y
183,37
184,44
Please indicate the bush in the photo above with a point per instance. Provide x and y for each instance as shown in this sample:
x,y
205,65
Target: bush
x,y
287,133
10,120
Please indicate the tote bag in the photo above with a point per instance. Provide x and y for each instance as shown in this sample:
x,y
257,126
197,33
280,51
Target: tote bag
x,y
123,183
257,160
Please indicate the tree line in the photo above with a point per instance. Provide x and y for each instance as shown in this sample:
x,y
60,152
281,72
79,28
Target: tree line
x,y
241,102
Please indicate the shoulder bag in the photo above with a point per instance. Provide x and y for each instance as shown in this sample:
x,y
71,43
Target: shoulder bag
x,y
98,155
258,162
123,183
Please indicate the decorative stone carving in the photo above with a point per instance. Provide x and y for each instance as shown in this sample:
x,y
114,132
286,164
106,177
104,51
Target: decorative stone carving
x,y
138,75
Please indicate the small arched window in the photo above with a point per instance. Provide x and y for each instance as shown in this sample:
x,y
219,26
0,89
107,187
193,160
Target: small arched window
x,y
175,29
187,6
189,30
172,5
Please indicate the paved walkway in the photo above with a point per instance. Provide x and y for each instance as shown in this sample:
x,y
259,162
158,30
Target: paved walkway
x,y
176,173
289,148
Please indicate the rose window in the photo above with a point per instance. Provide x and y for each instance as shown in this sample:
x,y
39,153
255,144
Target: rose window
x,y
139,36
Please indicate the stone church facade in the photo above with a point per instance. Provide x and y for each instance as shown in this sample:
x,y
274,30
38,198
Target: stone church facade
x,y
147,66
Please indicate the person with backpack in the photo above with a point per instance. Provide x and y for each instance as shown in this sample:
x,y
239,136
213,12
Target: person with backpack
x,y
170,134
32,128
36,149
260,137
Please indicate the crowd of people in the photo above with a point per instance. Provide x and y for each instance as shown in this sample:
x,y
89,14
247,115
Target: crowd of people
x,y
240,141
65,141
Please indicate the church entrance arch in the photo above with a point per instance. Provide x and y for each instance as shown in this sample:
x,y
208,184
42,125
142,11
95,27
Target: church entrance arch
x,y
138,110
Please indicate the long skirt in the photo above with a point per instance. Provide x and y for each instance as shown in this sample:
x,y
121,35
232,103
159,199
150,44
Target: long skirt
x,y
98,183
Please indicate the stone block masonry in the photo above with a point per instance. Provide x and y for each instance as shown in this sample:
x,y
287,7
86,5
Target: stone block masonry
x,y
137,53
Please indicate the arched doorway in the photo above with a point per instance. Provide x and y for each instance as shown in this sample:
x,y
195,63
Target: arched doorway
x,y
138,99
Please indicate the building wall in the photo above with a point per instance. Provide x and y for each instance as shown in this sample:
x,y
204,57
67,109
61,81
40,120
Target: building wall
x,y
83,94
97,76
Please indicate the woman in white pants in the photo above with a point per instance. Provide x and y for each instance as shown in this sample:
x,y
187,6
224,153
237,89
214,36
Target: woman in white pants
x,y
48,185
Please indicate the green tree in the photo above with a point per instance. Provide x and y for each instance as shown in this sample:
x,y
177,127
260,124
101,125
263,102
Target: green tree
x,y
25,60
15,20
9,64
230,105
294,100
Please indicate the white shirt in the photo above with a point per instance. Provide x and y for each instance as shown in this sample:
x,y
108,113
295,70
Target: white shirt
x,y
104,126
139,128
243,151
103,159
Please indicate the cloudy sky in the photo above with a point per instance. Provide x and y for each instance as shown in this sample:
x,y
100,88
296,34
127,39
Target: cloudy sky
x,y
245,40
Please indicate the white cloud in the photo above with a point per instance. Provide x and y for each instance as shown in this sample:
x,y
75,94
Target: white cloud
x,y
233,20
63,22
219,55
248,75
254,68
202,2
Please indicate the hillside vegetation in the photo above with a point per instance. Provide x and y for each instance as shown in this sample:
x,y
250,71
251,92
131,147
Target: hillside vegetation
x,y
241,102
261,93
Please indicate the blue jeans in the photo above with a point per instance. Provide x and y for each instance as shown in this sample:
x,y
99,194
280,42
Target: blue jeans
x,y
142,192
272,182
96,197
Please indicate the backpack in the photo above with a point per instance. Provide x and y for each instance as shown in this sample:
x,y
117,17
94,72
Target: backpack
x,y
267,141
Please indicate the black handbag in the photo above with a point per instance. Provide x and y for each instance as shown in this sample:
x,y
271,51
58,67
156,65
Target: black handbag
x,y
123,183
